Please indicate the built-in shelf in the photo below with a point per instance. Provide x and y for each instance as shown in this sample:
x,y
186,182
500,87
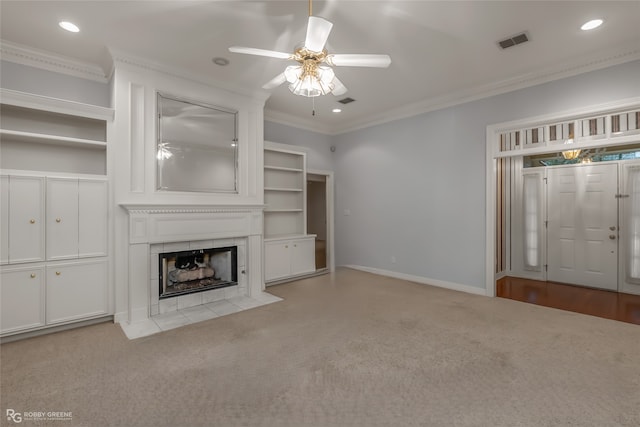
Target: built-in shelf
x,y
288,251
275,237
283,189
51,139
282,210
279,168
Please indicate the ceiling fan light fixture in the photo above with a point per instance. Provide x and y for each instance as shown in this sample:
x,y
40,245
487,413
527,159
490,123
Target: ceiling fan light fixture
x,y
309,79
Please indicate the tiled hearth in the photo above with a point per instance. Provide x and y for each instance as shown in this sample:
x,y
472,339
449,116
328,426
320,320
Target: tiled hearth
x,y
198,313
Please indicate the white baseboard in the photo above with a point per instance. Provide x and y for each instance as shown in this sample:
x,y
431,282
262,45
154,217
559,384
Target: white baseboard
x,y
423,280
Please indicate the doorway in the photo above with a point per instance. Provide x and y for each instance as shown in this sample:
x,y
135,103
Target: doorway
x,y
320,216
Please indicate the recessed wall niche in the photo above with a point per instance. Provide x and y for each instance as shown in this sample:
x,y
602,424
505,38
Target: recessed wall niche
x,y
197,146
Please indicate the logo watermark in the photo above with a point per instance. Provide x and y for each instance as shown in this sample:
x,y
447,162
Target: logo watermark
x,y
18,417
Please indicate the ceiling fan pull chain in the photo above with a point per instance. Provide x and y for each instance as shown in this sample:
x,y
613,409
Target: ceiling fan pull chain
x,y
313,105
310,10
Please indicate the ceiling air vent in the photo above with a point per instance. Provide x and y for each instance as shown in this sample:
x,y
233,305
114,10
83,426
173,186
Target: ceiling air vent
x,y
512,41
346,100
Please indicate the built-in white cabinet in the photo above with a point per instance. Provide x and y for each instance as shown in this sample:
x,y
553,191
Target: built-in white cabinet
x,y
53,212
4,219
85,282
76,218
288,250
285,258
22,298
22,219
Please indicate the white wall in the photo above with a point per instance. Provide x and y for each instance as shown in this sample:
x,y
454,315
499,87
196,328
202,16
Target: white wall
x,y
415,188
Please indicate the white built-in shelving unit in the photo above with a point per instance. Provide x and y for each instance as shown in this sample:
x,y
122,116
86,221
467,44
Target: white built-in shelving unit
x,y
289,251
54,212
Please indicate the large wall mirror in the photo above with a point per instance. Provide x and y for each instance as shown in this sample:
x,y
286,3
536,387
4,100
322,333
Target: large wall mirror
x,y
197,147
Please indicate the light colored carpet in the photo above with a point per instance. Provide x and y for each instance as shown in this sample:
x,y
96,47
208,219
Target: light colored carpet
x,y
350,349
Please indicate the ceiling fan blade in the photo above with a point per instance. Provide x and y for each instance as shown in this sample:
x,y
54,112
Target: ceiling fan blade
x,y
318,30
359,60
275,82
260,52
338,87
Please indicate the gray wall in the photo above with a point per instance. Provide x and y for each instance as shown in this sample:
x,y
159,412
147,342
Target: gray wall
x,y
415,188
48,83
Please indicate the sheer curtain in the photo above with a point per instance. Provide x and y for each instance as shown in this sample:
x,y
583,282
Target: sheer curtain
x,y
532,220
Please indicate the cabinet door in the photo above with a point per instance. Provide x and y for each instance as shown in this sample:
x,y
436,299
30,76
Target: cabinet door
x,y
26,219
4,219
277,260
76,290
62,218
92,217
22,297
303,256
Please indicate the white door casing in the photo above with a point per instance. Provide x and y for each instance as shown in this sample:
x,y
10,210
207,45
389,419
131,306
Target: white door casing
x,y
582,233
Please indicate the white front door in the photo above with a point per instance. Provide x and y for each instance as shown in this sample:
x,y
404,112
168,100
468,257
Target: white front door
x,y
582,236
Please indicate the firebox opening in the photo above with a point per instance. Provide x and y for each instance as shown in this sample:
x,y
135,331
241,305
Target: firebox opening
x,y
199,270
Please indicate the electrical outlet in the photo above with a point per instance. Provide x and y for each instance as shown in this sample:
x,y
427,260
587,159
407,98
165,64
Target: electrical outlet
x,y
393,259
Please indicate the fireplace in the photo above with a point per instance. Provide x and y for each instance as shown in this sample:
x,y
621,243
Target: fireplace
x,y
191,271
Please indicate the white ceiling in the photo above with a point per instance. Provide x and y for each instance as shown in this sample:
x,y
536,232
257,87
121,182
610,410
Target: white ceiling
x,y
441,51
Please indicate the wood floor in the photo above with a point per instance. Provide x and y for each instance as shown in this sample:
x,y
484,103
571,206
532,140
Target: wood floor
x,y
595,302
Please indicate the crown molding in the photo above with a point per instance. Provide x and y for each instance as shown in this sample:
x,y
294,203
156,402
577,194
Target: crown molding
x,y
126,59
600,60
567,69
24,55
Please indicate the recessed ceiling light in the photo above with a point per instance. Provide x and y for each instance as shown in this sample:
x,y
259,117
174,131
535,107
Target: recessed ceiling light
x,y
594,23
69,26
336,110
220,61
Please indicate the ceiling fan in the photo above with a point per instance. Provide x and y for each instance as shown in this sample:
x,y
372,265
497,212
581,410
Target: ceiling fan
x,y
313,76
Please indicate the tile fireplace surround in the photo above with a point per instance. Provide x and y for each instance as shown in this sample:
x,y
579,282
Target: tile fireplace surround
x,y
154,229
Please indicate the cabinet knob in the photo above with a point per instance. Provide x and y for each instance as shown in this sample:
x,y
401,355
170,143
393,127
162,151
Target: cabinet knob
x,y
33,221
58,273
33,275
58,220
295,246
286,246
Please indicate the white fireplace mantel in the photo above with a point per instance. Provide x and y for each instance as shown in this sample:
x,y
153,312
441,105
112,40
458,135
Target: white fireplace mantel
x,y
153,224
174,223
